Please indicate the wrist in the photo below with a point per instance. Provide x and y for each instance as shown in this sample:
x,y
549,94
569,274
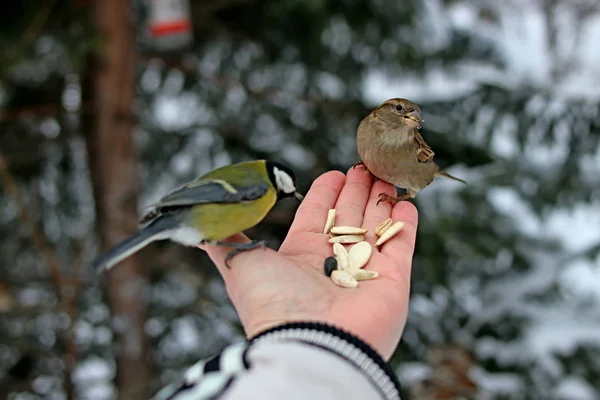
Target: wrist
x,y
342,343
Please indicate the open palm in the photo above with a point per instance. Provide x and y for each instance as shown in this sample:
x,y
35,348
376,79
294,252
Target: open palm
x,y
269,288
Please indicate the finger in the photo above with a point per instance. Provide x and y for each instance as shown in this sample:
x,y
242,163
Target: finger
x,y
401,247
351,203
377,213
312,212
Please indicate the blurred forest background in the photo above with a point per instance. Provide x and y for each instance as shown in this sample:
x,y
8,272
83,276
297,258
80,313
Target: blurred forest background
x,y
99,119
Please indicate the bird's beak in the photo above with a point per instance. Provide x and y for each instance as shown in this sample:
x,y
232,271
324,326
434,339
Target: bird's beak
x,y
298,196
415,116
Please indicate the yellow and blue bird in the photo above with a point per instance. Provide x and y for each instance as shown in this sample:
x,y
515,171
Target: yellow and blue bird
x,y
208,210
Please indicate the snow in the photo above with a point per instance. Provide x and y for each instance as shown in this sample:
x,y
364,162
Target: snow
x,y
521,35
584,220
510,203
298,157
582,278
175,112
413,372
92,379
575,388
331,85
498,383
559,331
93,369
505,145
186,335
437,85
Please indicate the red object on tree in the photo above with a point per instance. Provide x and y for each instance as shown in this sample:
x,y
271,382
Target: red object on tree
x,y
170,23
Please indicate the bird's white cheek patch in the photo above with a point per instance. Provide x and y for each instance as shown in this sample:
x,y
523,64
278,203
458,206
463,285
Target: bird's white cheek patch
x,y
187,236
284,181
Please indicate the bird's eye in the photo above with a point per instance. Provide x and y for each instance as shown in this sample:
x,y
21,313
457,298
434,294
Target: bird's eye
x,y
399,107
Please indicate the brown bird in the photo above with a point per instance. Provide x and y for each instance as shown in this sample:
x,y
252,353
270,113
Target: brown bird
x,y
391,148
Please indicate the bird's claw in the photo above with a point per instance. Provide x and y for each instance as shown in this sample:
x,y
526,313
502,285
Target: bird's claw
x,y
241,247
357,164
391,199
366,169
237,247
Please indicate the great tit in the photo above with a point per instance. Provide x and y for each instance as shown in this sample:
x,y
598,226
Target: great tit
x,y
215,206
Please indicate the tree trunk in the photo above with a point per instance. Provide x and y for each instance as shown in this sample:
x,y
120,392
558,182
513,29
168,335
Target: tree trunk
x,y
109,87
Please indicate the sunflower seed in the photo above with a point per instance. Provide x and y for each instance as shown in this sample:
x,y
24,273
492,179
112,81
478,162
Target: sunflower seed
x,y
344,279
341,254
347,239
363,274
382,227
330,221
348,230
389,233
359,255
331,265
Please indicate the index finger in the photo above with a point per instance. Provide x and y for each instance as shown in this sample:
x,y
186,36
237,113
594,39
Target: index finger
x,y
321,197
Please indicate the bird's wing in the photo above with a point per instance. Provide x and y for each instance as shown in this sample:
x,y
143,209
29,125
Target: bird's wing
x,y
424,152
209,191
213,191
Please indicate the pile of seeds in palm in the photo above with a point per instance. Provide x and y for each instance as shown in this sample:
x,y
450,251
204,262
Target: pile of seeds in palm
x,y
345,267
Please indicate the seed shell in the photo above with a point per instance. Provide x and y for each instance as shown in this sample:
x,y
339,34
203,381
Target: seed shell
x,y
359,255
348,230
347,239
342,256
389,233
331,265
330,221
382,227
344,279
364,274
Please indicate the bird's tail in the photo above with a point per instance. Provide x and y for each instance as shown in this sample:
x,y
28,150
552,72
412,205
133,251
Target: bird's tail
x,y
447,175
158,230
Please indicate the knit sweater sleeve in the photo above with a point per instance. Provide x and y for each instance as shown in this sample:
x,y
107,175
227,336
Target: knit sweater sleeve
x,y
291,361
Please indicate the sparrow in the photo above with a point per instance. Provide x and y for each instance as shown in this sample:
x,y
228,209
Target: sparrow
x,y
392,149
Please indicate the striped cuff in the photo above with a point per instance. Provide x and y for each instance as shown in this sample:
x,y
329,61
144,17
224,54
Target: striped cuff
x,y
343,344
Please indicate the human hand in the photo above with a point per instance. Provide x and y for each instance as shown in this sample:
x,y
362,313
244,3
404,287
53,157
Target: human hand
x,y
269,288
